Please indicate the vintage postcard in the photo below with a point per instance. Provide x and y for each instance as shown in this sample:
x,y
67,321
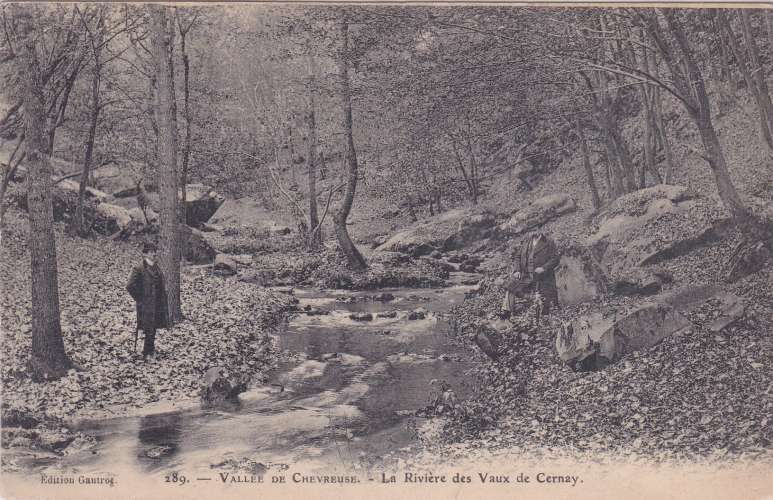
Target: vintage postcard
x,y
323,250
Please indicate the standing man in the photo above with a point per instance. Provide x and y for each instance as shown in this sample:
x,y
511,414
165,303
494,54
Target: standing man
x,y
146,287
533,271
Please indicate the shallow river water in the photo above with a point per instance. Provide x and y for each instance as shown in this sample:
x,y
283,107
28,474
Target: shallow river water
x,y
345,395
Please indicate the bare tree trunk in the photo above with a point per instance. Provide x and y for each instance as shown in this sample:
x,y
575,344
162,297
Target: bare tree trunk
x,y
613,164
9,175
353,255
752,83
188,121
700,110
93,122
411,210
626,163
467,178
761,85
588,168
168,180
48,358
660,128
58,117
315,236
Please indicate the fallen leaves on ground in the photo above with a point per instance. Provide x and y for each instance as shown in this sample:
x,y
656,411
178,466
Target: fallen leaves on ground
x,y
227,323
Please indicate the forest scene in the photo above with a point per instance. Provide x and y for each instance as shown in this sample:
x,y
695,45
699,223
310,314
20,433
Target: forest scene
x,y
361,237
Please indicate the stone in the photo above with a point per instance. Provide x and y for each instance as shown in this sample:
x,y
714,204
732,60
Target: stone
x,y
384,297
278,230
650,226
731,309
211,228
539,212
138,217
315,311
361,317
249,213
387,314
378,241
449,230
117,180
243,259
458,258
201,203
435,254
90,192
55,441
711,233
196,248
13,417
489,341
260,277
747,260
219,386
579,278
112,218
467,267
593,341
417,314
225,265
390,258
636,281
637,202
437,264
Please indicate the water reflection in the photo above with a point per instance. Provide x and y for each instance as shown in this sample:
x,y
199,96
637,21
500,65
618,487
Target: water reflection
x,y
158,438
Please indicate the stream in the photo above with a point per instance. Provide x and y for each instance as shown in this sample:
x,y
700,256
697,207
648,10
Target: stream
x,y
345,394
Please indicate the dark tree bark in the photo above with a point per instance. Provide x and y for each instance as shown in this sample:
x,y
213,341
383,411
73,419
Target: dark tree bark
x,y
690,85
96,77
657,117
411,209
594,192
315,229
168,180
468,180
353,255
9,174
760,84
48,358
186,153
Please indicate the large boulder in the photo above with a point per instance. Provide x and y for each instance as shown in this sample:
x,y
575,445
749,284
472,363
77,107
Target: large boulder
x,y
118,180
539,212
599,338
64,203
196,247
248,212
447,231
579,278
595,340
201,203
746,260
89,192
219,387
111,218
225,265
650,226
139,217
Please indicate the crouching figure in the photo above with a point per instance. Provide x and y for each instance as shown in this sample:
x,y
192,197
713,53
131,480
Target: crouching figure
x,y
532,272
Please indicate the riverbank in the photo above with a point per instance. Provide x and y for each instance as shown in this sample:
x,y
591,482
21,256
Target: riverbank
x,y
697,394
227,323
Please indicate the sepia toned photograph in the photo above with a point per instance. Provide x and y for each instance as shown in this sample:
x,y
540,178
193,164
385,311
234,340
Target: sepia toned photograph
x,y
382,251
